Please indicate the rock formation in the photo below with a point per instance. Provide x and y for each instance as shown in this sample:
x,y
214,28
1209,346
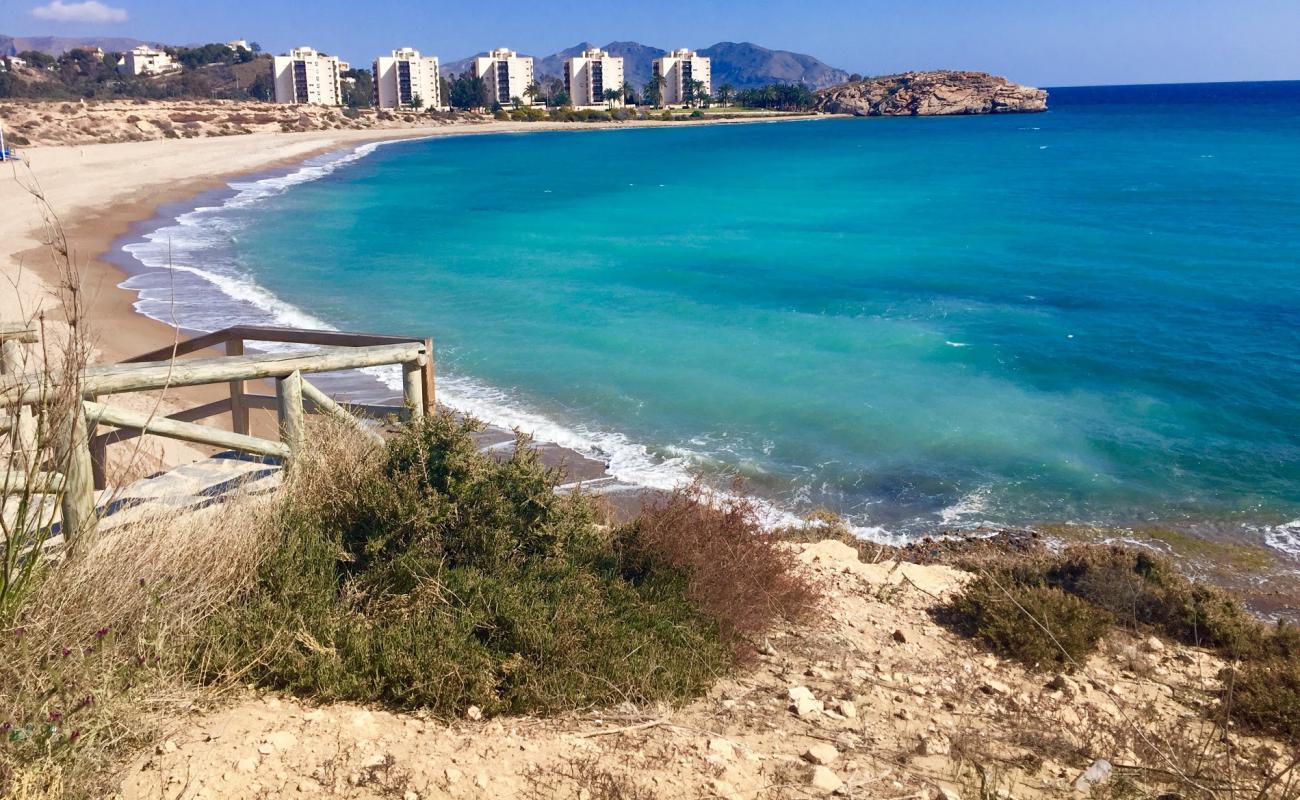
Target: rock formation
x,y
944,92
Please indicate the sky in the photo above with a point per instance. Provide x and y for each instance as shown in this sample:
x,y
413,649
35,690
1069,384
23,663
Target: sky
x,y
1041,42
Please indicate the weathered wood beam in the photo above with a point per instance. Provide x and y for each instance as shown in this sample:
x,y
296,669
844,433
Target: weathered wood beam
x,y
326,404
413,388
108,379
258,333
293,423
185,431
188,415
16,482
19,332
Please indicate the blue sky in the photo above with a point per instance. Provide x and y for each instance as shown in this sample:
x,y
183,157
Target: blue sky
x,y
1044,42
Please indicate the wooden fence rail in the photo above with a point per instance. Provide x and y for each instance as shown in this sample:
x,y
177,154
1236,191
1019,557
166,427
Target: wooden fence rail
x,y
83,453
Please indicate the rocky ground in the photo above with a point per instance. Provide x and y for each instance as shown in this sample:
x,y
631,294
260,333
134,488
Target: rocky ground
x,y
873,700
87,122
939,93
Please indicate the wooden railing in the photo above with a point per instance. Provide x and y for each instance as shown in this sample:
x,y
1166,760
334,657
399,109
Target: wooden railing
x,y
84,456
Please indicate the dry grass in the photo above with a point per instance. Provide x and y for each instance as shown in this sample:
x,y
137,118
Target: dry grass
x,y
737,572
90,664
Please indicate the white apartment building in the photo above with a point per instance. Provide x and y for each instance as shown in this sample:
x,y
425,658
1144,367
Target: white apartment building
x,y
507,75
405,75
144,60
588,76
678,69
306,76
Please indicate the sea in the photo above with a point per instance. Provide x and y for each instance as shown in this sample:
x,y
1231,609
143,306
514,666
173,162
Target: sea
x,y
1089,316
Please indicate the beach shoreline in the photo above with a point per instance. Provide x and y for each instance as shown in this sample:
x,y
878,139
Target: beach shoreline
x,y
98,194
101,202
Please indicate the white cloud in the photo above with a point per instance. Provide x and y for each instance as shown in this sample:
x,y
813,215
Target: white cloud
x,y
88,11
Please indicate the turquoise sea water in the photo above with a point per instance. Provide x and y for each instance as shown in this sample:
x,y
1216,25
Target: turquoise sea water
x,y
1087,315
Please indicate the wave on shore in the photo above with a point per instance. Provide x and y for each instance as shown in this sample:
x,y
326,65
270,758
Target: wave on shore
x,y
172,289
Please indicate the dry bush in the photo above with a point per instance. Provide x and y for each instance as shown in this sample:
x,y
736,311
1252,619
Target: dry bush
x,y
737,572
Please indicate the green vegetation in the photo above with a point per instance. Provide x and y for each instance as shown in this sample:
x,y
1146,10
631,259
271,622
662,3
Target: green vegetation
x,y
998,609
466,92
206,71
359,91
420,575
433,576
778,97
1052,611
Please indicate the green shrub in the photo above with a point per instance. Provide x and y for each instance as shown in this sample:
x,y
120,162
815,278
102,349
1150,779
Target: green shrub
x,y
1144,590
437,577
1038,625
1263,694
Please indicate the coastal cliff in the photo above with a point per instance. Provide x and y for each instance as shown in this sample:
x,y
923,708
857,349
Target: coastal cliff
x,y
939,93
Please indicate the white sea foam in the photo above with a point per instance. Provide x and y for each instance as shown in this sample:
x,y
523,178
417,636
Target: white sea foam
x,y
1285,537
973,504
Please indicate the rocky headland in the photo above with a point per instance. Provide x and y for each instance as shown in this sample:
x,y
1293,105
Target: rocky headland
x,y
939,93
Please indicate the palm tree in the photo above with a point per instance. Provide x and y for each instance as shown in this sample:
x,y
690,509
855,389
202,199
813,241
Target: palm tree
x,y
725,92
654,90
629,94
700,93
612,96
516,101
533,91
417,102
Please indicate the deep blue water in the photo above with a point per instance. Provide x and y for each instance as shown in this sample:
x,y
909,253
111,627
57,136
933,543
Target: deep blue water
x,y
1088,315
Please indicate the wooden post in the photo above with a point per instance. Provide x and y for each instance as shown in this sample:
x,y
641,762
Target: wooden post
x,y
98,454
430,380
78,501
413,388
13,360
238,408
293,423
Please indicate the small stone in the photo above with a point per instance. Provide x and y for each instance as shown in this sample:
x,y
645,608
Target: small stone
x,y
247,764
265,748
453,776
474,713
722,789
935,745
481,781
411,796
308,786
948,794
991,686
900,637
315,715
1096,773
848,709
767,649
821,753
282,740
825,781
1154,645
805,703
722,748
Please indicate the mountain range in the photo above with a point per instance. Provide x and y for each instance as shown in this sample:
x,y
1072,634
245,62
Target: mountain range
x,y
742,64
58,45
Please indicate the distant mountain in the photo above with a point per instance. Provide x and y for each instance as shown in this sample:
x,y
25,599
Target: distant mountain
x,y
743,65
58,45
